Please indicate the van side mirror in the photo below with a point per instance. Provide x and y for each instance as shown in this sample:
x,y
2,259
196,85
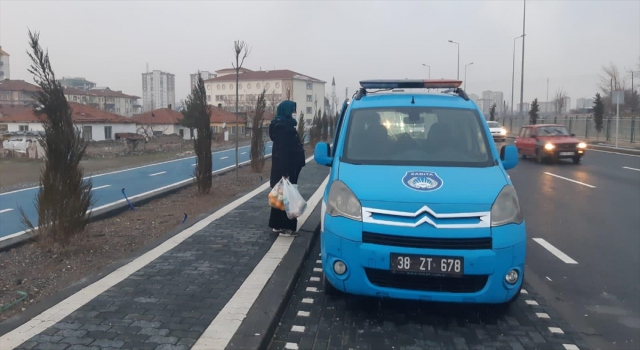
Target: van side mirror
x,y
509,156
322,154
573,135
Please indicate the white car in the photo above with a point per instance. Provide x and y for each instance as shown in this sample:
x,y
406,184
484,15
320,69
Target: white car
x,y
497,131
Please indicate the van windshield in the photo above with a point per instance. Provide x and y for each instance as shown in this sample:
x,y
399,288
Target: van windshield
x,y
416,136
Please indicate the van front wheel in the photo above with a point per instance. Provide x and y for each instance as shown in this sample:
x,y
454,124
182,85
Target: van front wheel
x,y
329,289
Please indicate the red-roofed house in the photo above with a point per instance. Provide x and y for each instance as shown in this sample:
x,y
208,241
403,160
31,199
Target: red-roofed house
x,y
307,92
163,121
95,124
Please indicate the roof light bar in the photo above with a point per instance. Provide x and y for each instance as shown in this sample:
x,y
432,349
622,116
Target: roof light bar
x,y
411,84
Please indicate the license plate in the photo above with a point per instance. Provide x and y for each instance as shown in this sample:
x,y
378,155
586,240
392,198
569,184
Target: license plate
x,y
427,264
567,153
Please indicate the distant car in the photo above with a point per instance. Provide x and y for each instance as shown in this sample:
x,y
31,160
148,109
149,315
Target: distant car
x,y
549,142
497,131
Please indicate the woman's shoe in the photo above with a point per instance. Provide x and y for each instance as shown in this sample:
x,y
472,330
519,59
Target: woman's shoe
x,y
288,233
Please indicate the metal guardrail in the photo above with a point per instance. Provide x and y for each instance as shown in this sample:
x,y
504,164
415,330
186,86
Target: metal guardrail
x,y
628,128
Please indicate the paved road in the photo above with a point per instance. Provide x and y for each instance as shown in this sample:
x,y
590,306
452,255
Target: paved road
x,y
583,267
589,218
108,187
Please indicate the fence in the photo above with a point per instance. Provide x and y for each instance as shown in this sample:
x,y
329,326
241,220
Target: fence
x,y
583,127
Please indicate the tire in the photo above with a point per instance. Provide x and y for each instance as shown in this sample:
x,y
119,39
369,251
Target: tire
x,y
521,154
539,157
329,289
576,160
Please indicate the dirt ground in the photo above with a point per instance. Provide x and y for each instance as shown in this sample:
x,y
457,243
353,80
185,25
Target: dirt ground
x,y
17,173
41,271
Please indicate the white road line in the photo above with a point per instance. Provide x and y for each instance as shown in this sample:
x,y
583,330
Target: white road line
x,y
314,279
136,196
312,289
317,269
304,313
622,154
570,347
243,153
5,210
318,261
626,167
297,329
531,302
555,251
307,300
291,346
194,164
556,330
524,291
542,315
124,170
160,173
228,320
72,303
564,178
99,187
225,157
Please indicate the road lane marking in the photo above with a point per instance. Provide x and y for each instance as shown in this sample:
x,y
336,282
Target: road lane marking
x,y
314,279
556,330
317,269
72,303
307,300
229,319
5,210
160,173
622,154
531,302
312,289
291,346
299,329
570,347
304,313
243,153
124,170
547,277
555,251
99,187
574,181
524,291
225,157
626,167
542,315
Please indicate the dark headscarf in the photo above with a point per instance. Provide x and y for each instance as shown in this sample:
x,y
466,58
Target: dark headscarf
x,y
285,113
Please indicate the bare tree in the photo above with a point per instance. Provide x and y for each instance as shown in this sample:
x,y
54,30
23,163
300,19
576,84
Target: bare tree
x,y
560,100
241,50
197,114
257,136
611,79
64,196
274,100
149,130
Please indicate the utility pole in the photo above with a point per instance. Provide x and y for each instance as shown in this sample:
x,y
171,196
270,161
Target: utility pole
x,y
547,89
524,16
457,44
513,71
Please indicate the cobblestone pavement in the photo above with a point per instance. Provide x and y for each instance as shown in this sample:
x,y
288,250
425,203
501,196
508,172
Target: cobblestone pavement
x,y
315,321
167,304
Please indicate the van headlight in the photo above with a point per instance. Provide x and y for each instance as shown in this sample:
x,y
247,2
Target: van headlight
x,y
506,209
342,202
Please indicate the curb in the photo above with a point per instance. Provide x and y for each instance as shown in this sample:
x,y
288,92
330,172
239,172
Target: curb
x,y
599,147
122,206
34,310
262,320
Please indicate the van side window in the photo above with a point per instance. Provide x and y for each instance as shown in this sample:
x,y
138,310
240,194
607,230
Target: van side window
x,y
522,132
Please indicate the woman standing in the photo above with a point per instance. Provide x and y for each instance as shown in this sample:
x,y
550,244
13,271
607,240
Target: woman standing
x,y
287,159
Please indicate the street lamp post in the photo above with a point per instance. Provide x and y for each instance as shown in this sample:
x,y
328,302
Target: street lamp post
x,y
428,66
513,73
524,17
465,75
458,44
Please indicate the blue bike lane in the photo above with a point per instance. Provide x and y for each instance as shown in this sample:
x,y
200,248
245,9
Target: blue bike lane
x,y
107,188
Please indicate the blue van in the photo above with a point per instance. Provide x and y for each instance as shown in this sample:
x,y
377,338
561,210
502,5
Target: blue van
x,y
419,204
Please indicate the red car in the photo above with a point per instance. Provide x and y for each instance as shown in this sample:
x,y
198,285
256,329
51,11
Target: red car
x,y
549,141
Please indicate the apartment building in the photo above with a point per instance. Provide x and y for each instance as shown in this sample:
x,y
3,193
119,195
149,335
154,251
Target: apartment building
x,y
17,92
106,99
5,73
206,75
158,90
77,83
307,92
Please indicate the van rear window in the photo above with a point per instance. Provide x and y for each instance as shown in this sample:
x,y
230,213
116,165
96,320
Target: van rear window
x,y
416,136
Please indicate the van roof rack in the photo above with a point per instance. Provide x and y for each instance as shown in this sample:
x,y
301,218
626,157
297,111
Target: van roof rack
x,y
386,84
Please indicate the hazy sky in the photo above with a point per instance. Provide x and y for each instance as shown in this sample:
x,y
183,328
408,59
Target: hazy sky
x,y
110,42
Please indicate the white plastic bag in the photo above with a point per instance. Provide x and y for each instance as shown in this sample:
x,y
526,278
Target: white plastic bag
x,y
294,204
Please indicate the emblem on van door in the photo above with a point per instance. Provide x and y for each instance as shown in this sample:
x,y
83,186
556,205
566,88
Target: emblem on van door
x,y
423,181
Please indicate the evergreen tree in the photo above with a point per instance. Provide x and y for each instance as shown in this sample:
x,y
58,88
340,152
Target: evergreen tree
x,y
492,112
325,127
301,127
598,113
533,112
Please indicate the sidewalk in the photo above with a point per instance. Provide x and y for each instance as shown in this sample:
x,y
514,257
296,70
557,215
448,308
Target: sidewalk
x,y
192,290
